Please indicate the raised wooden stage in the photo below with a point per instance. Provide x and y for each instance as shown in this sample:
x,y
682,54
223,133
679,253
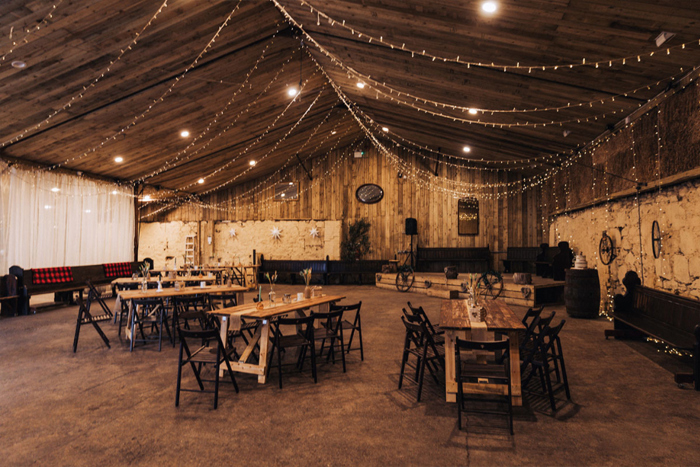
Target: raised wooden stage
x,y
541,290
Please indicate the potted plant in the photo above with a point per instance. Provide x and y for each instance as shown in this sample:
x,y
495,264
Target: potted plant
x,y
306,274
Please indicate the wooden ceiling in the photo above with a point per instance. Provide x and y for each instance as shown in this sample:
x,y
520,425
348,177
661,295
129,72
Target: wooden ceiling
x,y
129,95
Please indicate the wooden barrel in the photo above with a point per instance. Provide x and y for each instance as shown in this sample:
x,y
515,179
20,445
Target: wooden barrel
x,y
582,293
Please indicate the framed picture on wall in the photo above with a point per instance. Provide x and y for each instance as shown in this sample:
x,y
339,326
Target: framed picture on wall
x,y
468,216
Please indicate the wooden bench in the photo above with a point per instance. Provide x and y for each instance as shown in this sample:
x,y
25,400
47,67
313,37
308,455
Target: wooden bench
x,y
288,270
360,272
465,259
665,317
63,290
521,258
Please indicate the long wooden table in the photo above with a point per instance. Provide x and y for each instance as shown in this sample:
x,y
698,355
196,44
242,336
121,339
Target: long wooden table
x,y
454,320
153,280
171,292
262,335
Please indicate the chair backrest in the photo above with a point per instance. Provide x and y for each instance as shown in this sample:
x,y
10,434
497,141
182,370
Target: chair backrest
x,y
303,320
545,322
224,300
420,312
417,331
196,301
353,307
198,333
333,318
147,302
488,346
531,315
549,336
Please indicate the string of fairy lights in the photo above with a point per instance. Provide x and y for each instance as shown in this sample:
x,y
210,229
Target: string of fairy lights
x,y
160,99
583,62
88,87
177,159
28,32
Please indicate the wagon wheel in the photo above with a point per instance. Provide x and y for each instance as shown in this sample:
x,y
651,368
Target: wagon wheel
x,y
656,239
404,279
492,283
606,249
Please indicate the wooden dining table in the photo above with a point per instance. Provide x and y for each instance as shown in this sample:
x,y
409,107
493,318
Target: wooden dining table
x,y
170,292
230,319
153,280
454,319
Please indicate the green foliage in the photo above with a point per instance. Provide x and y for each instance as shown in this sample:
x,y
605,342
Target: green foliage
x,y
356,243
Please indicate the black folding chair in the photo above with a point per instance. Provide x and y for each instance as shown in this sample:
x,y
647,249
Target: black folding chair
x,y
476,372
419,312
86,317
331,329
547,350
148,312
198,358
419,343
353,325
302,339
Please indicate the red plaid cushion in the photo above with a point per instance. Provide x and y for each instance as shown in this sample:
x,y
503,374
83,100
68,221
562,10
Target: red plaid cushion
x,y
52,275
117,269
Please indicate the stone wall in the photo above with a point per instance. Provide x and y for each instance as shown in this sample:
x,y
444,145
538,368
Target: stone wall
x,y
677,210
234,241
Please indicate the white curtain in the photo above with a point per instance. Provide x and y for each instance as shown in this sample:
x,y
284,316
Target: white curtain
x,y
49,219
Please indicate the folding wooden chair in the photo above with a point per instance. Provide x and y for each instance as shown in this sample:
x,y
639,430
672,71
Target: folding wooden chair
x,y
85,317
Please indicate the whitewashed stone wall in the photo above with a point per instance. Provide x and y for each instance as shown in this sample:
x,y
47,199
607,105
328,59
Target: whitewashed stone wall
x,y
159,240
677,210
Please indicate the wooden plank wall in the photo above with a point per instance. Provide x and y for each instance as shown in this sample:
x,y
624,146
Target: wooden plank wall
x,y
512,221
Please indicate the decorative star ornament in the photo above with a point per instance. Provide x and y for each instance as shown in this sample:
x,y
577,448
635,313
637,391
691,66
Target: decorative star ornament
x,y
275,232
314,232
232,233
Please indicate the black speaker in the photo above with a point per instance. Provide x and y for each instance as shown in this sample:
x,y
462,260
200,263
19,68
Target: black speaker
x,y
411,226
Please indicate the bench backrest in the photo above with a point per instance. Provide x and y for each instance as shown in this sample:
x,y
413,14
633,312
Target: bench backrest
x,y
681,313
78,275
522,253
453,254
292,266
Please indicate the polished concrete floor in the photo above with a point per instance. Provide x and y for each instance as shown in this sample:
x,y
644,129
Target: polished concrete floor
x,y
111,407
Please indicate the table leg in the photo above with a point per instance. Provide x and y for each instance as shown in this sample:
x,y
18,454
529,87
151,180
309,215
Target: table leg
x,y
450,376
516,390
264,341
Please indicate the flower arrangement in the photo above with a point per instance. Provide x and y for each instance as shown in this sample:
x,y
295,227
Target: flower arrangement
x,y
306,274
473,287
144,268
271,279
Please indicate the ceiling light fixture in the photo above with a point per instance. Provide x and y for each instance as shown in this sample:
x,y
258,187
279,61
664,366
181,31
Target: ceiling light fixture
x,y
660,39
489,7
147,198
114,192
184,133
333,132
473,111
467,149
55,189
18,64
385,129
200,181
360,85
291,92
119,159
252,163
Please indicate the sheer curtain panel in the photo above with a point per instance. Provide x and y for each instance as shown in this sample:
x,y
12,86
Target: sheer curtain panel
x,y
49,219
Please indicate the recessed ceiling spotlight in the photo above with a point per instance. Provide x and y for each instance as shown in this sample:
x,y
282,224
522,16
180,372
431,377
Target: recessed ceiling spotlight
x,y
467,149
473,111
385,129
147,198
184,133
291,92
665,36
200,181
360,85
55,189
252,163
333,132
119,159
19,64
489,7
